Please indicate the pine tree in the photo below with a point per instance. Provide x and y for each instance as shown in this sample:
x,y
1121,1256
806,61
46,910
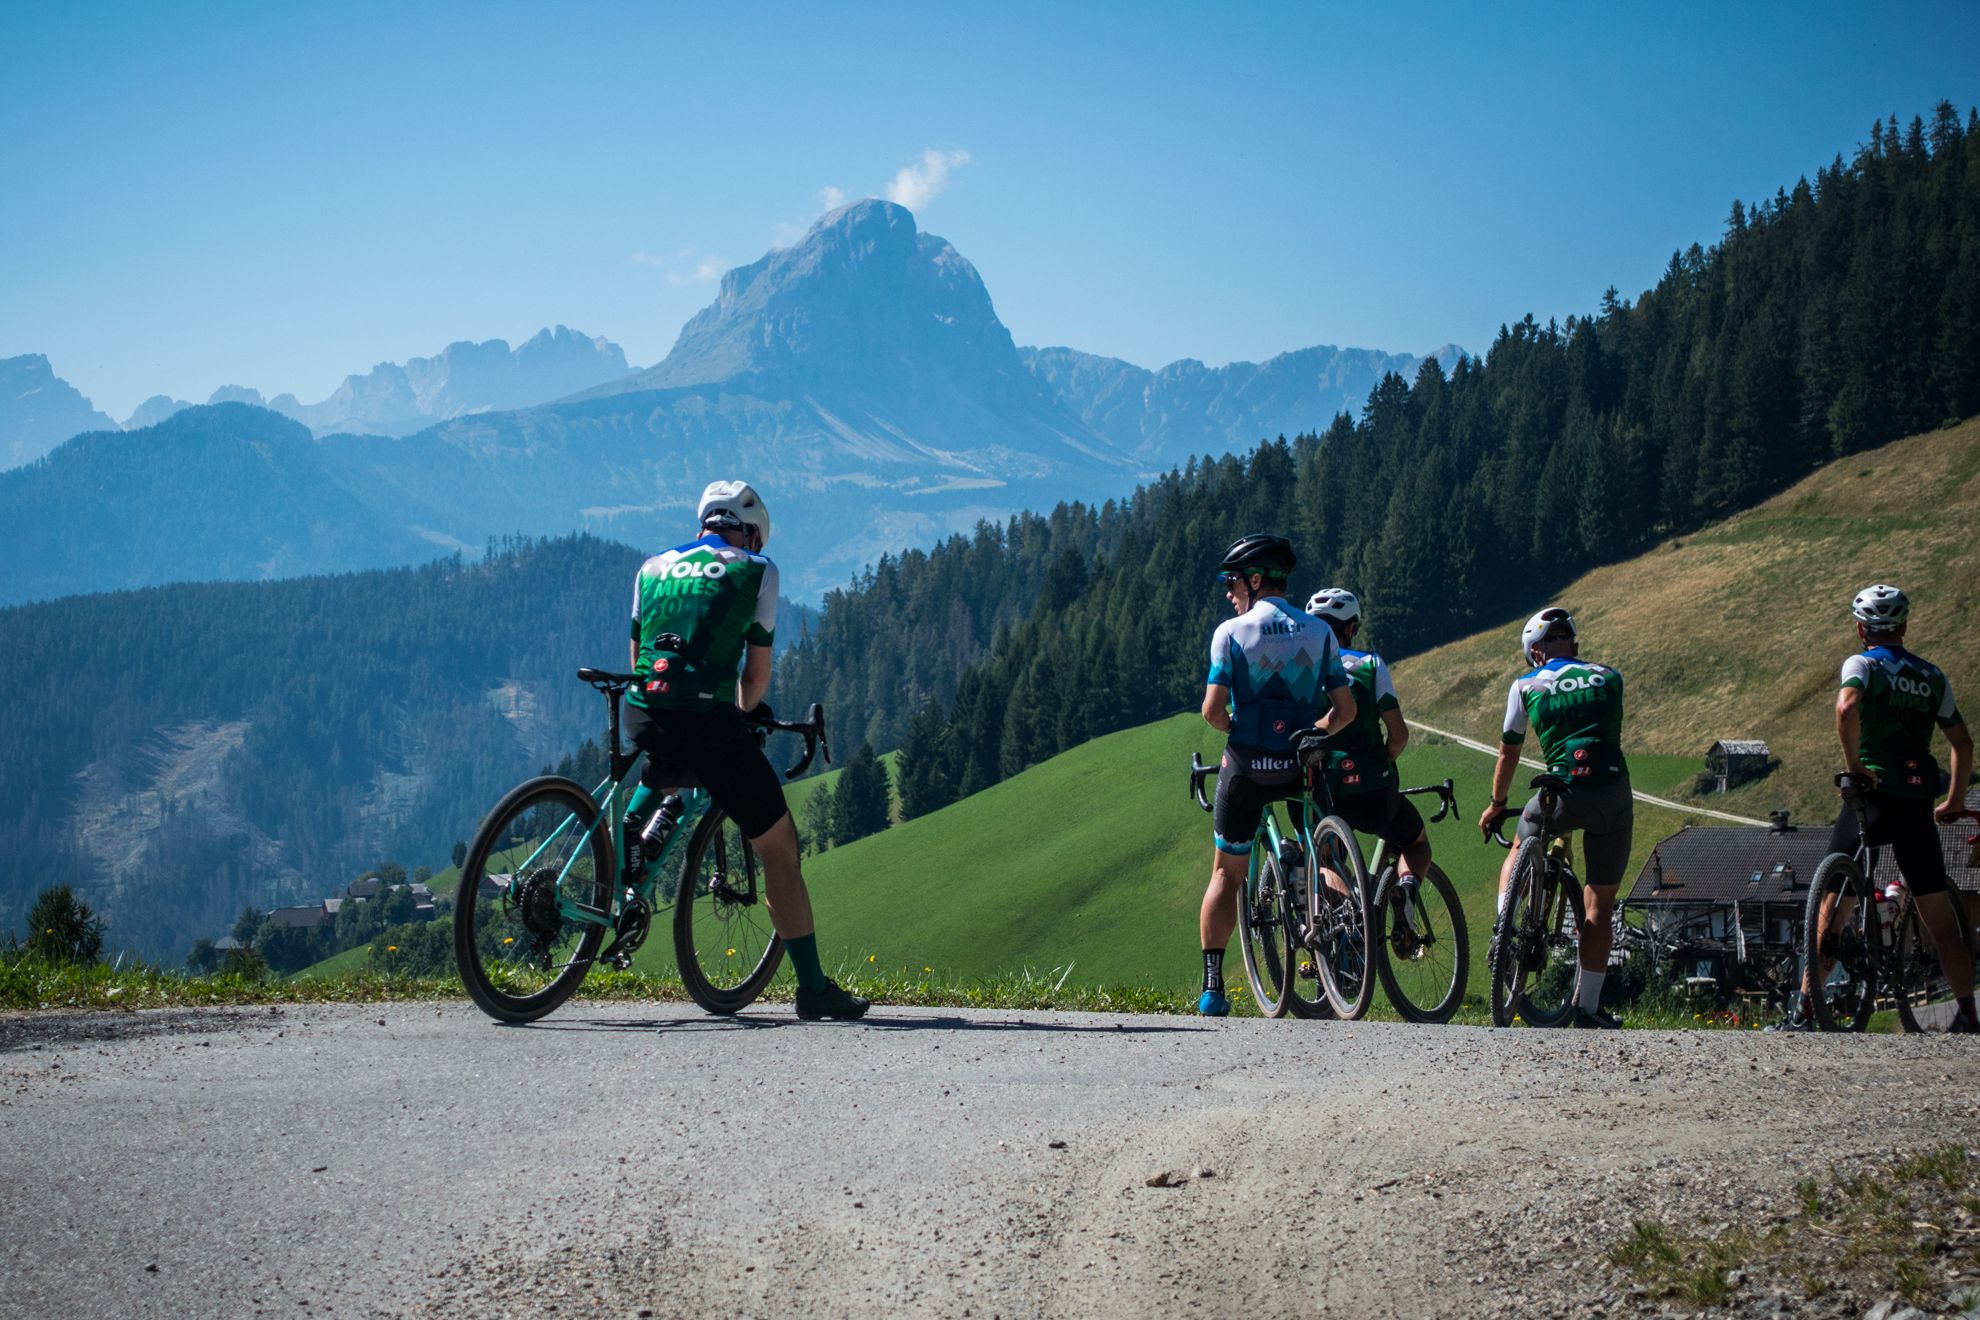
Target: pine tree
x,y
862,800
61,927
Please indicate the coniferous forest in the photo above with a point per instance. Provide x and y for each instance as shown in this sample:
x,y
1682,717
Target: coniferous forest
x,y
1839,314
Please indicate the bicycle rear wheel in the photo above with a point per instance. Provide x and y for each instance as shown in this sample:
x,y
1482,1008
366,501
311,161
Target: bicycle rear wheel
x,y
1266,943
1924,997
1838,941
1339,936
724,941
1424,950
1535,944
540,852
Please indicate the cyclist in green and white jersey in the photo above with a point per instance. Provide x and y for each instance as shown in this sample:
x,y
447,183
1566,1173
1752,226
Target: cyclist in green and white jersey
x,y
717,594
1886,707
1361,757
1575,706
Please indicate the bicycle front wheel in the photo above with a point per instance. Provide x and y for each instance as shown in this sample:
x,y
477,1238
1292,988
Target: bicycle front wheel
x,y
723,937
1262,927
1536,947
1424,950
1342,920
1838,945
1924,997
540,862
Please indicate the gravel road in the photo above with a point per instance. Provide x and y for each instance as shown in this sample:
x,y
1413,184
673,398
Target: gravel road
x,y
623,1160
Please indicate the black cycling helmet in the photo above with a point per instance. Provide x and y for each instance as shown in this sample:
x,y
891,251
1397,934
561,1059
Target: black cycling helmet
x,y
1260,553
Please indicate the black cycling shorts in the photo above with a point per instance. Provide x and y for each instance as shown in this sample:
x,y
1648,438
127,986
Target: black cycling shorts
x,y
715,748
1240,805
1606,816
1387,815
1905,826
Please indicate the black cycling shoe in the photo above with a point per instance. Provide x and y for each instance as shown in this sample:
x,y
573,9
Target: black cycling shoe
x,y
1798,1018
1962,1025
831,1002
1596,1021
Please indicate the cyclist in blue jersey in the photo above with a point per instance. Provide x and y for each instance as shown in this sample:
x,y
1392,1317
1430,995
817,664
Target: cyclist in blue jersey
x,y
1269,665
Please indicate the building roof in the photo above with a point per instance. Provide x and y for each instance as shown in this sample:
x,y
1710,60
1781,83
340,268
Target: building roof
x,y
226,944
331,905
365,888
1702,864
294,918
1740,747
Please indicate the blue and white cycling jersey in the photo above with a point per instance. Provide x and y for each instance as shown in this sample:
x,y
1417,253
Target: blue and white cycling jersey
x,y
1278,663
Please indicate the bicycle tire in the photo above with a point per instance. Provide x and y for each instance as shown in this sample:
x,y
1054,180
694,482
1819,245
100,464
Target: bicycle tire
x,y
1925,1000
1263,936
1842,999
724,940
519,958
1535,943
1432,945
1306,998
1341,934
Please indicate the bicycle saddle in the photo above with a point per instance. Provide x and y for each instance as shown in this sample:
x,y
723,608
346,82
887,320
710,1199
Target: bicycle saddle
x,y
1552,782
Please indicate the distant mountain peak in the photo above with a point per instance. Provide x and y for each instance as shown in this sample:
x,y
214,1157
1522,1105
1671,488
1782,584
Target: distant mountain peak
x,y
39,410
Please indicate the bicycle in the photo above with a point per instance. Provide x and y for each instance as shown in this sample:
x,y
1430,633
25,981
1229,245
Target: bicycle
x,y
1424,953
1871,940
1536,942
541,886
1290,876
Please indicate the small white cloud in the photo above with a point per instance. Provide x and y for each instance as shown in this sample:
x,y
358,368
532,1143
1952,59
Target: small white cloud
x,y
706,271
918,184
830,198
643,258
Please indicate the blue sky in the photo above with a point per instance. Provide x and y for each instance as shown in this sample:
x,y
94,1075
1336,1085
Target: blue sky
x,y
274,196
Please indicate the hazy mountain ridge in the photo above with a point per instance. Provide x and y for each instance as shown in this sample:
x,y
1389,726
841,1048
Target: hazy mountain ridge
x,y
861,378
39,410
1187,407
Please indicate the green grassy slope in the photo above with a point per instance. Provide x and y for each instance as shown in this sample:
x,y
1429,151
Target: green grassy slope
x,y
1093,861
1738,631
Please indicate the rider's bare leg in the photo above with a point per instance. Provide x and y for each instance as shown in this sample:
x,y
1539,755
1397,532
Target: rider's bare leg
x,y
783,879
1935,910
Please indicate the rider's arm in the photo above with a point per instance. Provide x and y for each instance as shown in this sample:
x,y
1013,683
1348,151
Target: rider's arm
x,y
1962,769
1217,707
1398,730
1502,774
1849,730
1341,713
1512,734
755,677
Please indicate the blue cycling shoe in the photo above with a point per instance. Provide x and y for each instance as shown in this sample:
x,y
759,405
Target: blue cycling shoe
x,y
1214,1004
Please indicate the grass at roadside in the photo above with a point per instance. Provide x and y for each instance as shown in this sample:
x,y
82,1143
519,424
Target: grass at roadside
x,y
30,985
1906,1226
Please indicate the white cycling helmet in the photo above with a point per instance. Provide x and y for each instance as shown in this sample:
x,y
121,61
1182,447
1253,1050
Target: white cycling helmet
x,y
1336,604
1881,608
1539,626
726,505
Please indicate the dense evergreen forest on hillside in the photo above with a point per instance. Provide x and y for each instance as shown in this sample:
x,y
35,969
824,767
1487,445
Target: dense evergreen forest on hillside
x,y
1839,314
179,752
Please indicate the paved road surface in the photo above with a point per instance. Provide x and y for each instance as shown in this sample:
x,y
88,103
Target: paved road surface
x,y
621,1159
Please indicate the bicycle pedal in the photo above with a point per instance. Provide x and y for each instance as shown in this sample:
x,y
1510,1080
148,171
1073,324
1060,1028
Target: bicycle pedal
x,y
620,962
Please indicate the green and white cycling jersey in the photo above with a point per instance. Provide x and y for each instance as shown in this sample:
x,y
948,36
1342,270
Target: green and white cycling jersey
x,y
1903,696
718,599
1358,756
1576,706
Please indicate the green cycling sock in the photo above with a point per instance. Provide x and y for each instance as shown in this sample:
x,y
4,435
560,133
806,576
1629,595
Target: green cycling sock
x,y
804,957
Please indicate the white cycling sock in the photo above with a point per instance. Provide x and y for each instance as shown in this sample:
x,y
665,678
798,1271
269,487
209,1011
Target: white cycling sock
x,y
1504,894
1588,993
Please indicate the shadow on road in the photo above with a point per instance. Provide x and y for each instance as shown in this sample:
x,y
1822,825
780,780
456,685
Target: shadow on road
x,y
881,1020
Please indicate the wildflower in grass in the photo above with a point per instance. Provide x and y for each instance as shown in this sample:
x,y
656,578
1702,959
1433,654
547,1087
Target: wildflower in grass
x,y
391,948
732,953
869,957
510,940
927,969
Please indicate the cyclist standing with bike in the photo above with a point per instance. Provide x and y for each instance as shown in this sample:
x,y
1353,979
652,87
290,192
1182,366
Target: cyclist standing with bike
x,y
718,596
1361,757
1575,706
1888,702
1269,665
